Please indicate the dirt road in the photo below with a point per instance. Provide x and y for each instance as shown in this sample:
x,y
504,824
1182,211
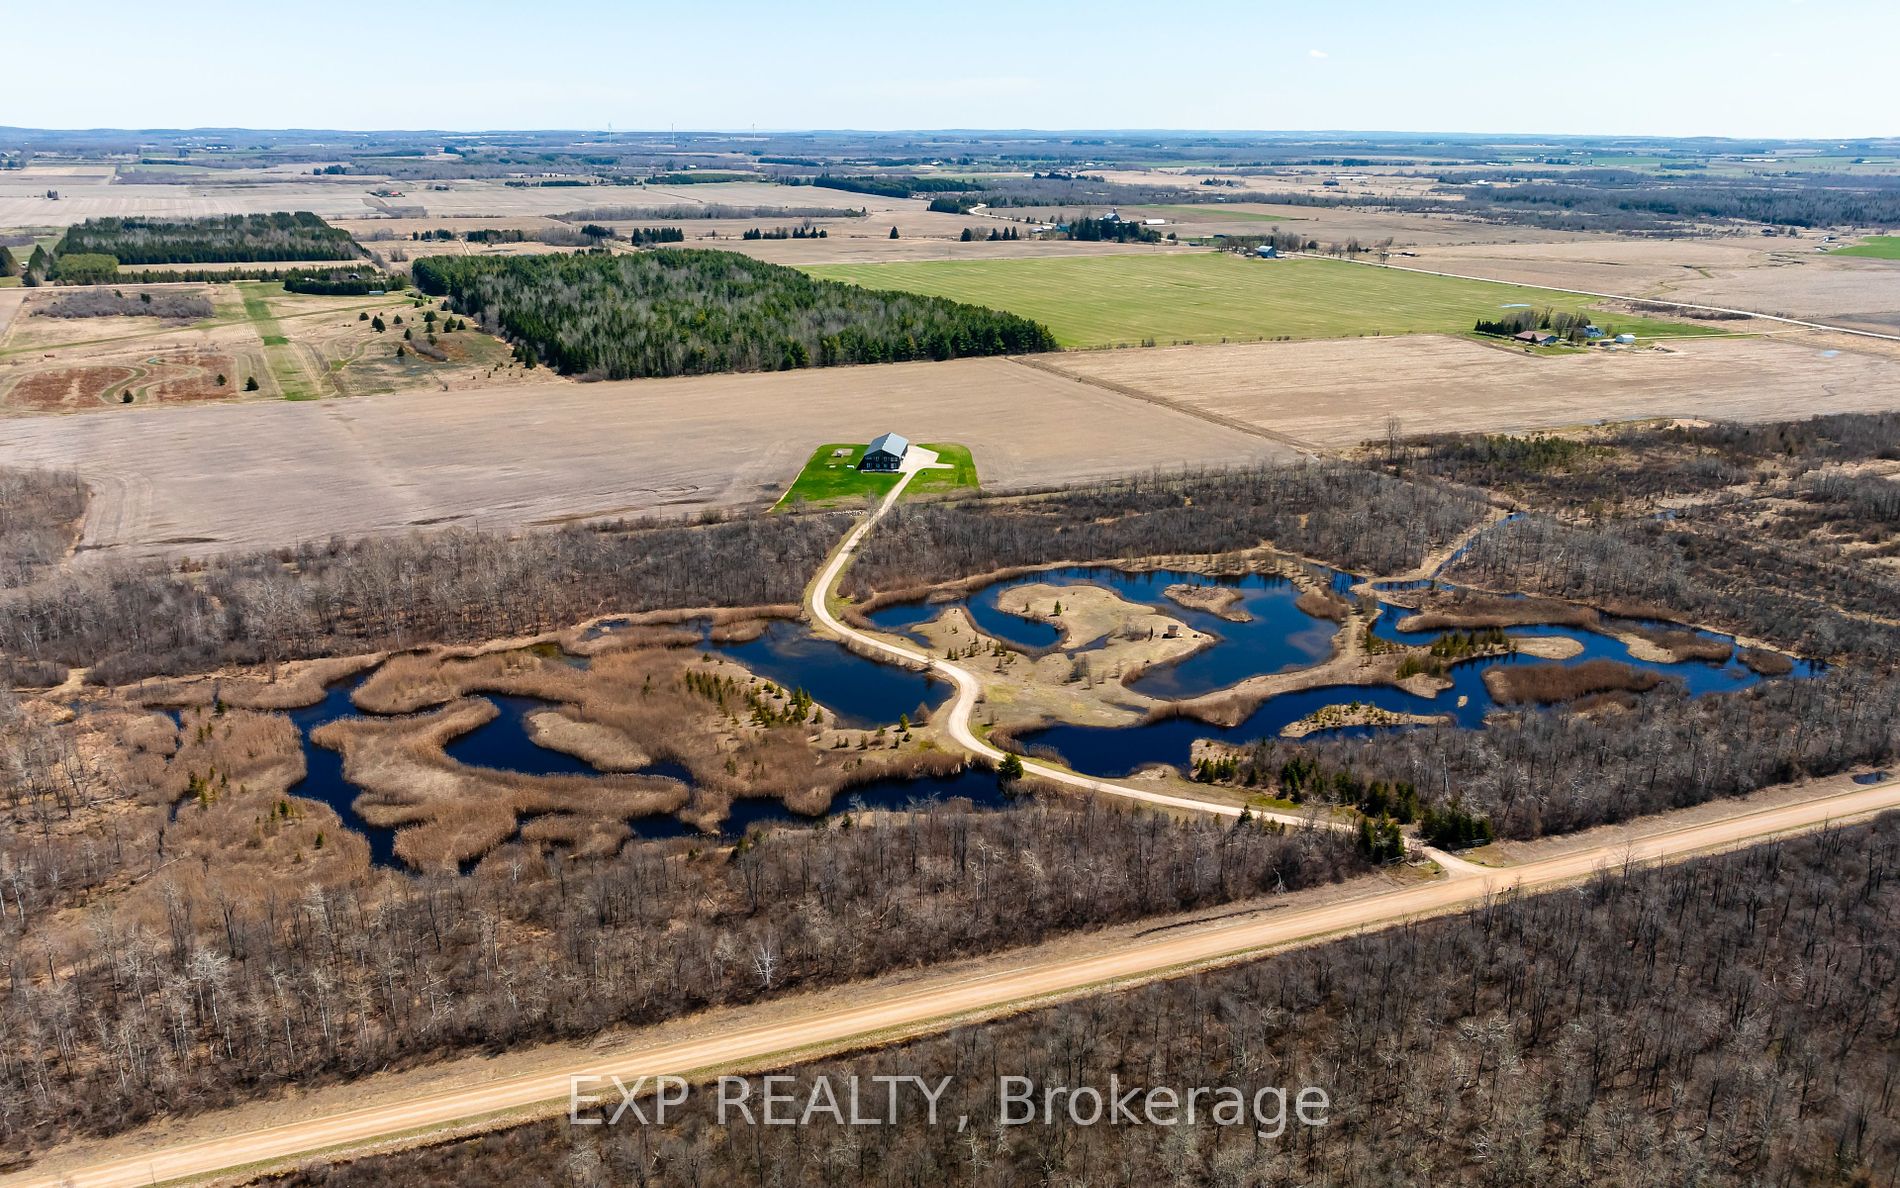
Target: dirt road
x,y
882,1015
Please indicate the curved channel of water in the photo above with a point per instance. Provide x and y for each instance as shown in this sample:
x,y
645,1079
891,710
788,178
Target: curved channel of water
x,y
1277,637
864,693
1110,752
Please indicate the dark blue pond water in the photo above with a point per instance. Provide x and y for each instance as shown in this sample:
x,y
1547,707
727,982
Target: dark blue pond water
x,y
1700,676
1278,637
323,769
977,785
504,743
862,693
1119,751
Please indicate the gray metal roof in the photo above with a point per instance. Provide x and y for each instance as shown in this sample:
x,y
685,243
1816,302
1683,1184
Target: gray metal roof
x,y
890,442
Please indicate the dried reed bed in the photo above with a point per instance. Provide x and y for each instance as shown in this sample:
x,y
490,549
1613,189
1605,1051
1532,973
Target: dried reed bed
x,y
291,685
448,814
643,697
1767,663
416,680
663,628
599,746
1324,604
1549,684
1465,609
1672,646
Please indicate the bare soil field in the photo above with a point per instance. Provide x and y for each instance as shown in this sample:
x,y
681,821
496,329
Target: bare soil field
x,y
267,473
1337,394
23,200
1785,277
24,203
301,347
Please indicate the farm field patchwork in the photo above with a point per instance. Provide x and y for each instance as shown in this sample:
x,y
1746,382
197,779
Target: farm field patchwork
x,y
1337,394
264,473
1216,296
296,346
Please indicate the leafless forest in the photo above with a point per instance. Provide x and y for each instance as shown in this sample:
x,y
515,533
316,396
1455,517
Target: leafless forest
x,y
1344,515
1725,1022
39,516
1543,773
205,1000
450,586
1765,529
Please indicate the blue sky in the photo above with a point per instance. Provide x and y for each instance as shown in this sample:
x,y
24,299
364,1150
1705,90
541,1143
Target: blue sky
x,y
1818,68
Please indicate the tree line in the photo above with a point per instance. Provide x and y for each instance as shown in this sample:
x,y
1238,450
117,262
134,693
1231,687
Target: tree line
x,y
267,238
1339,513
691,312
341,597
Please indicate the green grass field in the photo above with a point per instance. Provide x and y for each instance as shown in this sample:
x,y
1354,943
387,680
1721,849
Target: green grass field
x,y
1879,247
1101,301
292,382
827,479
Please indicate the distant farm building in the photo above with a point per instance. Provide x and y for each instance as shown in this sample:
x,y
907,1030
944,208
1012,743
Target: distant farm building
x,y
1267,251
1536,337
884,453
1626,339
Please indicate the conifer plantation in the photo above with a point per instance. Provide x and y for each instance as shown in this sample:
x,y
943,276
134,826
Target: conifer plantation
x,y
692,312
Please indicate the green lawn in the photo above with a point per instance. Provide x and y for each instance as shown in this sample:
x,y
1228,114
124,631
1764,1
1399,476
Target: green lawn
x,y
1099,301
1880,247
827,479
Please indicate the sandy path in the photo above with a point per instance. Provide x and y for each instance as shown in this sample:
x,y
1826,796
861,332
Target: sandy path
x,y
887,1010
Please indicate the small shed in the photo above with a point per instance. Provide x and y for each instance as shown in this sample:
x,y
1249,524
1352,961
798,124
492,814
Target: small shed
x,y
1626,339
885,453
1267,251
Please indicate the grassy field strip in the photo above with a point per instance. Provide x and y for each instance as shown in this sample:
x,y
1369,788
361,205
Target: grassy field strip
x,y
284,364
1101,301
1876,247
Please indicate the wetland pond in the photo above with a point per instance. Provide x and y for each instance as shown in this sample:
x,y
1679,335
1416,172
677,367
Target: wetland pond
x,y
861,693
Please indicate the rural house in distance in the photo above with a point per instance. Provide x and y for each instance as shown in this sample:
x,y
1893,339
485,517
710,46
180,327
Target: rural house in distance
x,y
885,452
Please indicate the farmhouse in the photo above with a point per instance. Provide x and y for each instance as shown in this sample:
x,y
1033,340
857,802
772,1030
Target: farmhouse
x,y
1536,337
1267,251
885,452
